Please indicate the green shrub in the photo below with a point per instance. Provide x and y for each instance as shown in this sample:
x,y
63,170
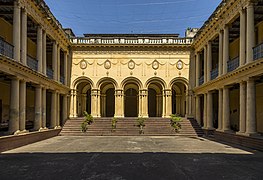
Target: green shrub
x,y
175,122
141,124
114,123
88,120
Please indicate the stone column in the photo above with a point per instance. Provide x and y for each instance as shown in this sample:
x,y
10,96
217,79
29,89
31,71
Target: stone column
x,y
24,38
16,30
66,68
94,102
226,49
98,104
58,112
220,58
14,107
242,115
198,110
53,109
72,105
197,66
22,106
210,124
65,109
209,60
164,105
44,53
242,50
250,32
119,108
54,61
38,108
251,127
205,64
75,103
226,110
144,103
58,62
168,94
39,48
44,111
205,111
220,109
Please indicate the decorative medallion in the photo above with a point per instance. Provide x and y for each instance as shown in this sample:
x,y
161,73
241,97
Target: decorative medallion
x,y
107,64
155,65
180,65
83,64
131,64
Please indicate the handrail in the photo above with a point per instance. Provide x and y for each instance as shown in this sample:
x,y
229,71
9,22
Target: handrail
x,y
6,48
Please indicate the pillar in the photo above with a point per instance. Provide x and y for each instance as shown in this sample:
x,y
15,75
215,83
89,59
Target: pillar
x,y
58,111
66,68
197,66
38,108
39,48
168,96
197,110
53,109
220,58
44,53
164,105
226,49
226,109
94,102
72,104
14,106
65,109
144,103
220,109
210,124
242,51
205,64
209,60
251,107
119,103
16,30
24,37
250,32
54,61
22,106
242,115
58,63
205,111
44,111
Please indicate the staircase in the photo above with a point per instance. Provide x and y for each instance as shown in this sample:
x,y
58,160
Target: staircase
x,y
127,127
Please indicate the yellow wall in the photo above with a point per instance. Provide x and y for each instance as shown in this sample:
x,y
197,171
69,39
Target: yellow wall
x,y
259,103
4,96
31,48
260,33
234,49
6,31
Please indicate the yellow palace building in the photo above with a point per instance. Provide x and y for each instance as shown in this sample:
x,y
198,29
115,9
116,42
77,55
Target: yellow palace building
x,y
212,75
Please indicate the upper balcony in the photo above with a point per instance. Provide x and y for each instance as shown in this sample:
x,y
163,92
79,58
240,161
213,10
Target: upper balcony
x,y
6,49
232,64
258,51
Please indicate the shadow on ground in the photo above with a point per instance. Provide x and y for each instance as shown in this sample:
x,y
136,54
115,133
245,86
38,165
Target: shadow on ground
x,y
133,166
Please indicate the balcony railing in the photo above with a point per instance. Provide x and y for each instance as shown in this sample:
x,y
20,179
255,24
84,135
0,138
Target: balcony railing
x,y
232,64
214,73
6,49
258,51
50,73
201,80
32,63
62,79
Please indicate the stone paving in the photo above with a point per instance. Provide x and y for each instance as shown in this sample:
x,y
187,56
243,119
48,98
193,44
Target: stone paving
x,y
130,158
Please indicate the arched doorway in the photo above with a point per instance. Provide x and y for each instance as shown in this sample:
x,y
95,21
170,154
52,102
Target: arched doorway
x,y
107,99
155,100
179,99
131,100
83,98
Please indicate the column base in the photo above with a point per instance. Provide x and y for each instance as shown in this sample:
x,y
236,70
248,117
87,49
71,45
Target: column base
x,y
58,127
254,134
119,116
43,129
209,129
18,132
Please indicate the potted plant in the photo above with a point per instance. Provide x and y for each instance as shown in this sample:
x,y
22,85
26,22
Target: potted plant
x,y
141,124
88,120
113,124
175,123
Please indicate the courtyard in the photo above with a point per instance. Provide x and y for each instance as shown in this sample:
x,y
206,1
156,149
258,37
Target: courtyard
x,y
141,157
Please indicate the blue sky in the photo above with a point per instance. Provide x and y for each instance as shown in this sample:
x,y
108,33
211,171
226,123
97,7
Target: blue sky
x,y
131,16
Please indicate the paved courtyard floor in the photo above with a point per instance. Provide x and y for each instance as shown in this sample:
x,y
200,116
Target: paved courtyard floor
x,y
130,158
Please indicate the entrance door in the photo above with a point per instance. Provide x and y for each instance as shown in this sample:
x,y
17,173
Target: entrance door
x,y
88,102
152,108
131,103
110,102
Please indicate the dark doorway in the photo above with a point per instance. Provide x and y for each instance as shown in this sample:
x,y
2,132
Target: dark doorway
x,y
131,103
152,108
173,102
110,102
1,110
88,102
